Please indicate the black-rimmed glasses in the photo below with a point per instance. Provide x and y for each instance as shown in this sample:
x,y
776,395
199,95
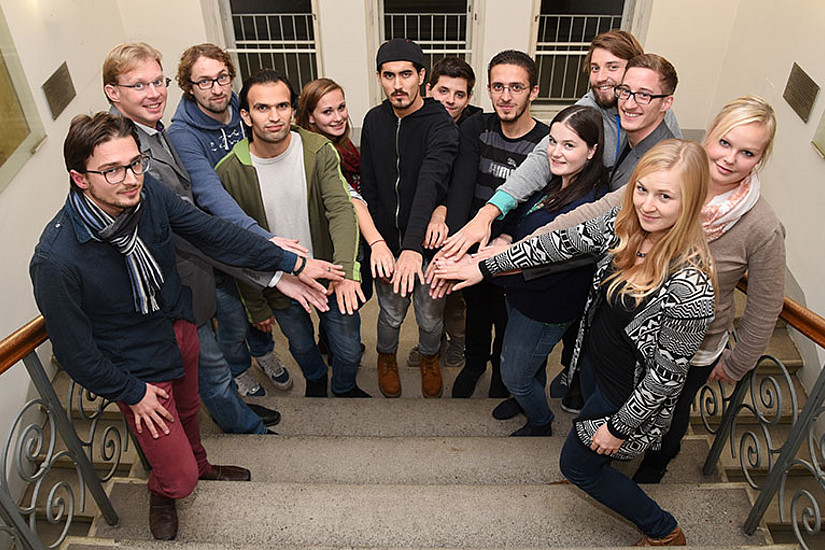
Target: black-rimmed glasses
x,y
117,174
642,98
207,83
141,86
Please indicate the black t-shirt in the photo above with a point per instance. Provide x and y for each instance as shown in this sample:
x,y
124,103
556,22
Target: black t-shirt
x,y
611,351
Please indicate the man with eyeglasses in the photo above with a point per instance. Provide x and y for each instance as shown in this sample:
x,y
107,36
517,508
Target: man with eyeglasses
x,y
492,146
205,127
644,96
120,320
136,88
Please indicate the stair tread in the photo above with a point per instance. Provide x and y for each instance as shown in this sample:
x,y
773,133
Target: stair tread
x,y
454,515
419,461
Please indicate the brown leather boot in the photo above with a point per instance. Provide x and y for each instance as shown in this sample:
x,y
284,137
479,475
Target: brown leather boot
x,y
163,517
431,385
388,381
675,538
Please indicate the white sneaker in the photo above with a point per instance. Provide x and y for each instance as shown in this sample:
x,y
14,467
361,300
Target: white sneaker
x,y
272,366
248,386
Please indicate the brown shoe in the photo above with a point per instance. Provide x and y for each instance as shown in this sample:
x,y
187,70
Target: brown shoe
x,y
675,538
431,385
163,517
388,381
227,473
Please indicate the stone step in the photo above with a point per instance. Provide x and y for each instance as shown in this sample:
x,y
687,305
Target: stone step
x,y
433,516
419,460
78,543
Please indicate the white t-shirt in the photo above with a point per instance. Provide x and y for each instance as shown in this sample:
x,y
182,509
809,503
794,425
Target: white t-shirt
x,y
284,192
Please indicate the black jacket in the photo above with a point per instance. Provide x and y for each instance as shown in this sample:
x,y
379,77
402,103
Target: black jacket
x,y
405,168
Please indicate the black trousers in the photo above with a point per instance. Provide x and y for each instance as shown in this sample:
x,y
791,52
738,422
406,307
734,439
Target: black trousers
x,y
672,441
486,310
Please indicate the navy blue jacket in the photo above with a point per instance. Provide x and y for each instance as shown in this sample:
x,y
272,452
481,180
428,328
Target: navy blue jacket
x,y
405,169
82,288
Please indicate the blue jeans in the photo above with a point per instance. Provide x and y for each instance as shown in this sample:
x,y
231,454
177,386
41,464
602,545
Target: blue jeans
x,y
429,314
218,390
237,338
527,343
592,473
343,335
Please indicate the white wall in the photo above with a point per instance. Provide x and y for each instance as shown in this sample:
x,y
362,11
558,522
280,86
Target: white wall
x,y
694,37
347,56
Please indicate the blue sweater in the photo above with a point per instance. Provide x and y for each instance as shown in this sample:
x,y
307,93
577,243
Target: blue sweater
x,y
201,142
555,298
83,289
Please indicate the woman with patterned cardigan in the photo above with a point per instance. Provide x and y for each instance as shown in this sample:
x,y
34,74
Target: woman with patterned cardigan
x,y
649,307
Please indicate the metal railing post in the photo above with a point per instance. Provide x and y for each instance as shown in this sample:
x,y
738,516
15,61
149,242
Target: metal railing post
x,y
798,433
66,430
728,418
14,521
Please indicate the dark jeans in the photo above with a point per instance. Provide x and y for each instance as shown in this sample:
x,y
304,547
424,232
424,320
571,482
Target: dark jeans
x,y
592,473
486,310
672,440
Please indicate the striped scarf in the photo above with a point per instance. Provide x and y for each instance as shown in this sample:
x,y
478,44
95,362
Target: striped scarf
x,y
122,233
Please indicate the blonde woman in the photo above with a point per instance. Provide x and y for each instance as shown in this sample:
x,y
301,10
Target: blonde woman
x,y
649,307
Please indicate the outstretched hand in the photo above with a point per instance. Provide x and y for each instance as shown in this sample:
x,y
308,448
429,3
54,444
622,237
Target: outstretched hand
x,y
476,231
347,293
319,269
150,413
290,245
461,274
407,268
303,293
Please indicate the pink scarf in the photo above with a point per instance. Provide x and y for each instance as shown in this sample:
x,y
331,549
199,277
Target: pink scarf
x,y
723,211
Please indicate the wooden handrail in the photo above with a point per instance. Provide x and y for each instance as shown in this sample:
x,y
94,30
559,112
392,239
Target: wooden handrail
x,y
798,316
22,342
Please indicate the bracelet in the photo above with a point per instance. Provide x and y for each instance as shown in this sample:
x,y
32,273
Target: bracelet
x,y
376,241
297,270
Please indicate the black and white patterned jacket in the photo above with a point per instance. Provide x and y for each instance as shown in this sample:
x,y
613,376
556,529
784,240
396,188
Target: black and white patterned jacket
x,y
666,333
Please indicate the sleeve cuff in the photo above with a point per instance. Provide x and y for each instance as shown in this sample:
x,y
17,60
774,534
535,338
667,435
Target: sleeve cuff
x,y
275,279
503,202
614,431
485,271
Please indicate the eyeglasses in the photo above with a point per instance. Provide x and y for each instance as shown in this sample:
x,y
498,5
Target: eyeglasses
x,y
117,174
141,86
207,83
515,88
642,98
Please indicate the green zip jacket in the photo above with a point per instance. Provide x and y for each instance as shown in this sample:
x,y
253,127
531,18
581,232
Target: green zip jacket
x,y
332,221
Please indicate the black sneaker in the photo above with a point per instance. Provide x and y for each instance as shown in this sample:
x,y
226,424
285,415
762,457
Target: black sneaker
x,y
355,392
507,409
530,430
317,388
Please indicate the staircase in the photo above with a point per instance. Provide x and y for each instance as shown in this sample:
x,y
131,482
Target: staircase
x,y
412,473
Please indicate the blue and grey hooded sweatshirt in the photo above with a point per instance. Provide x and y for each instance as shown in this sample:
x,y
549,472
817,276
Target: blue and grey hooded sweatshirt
x,y
201,142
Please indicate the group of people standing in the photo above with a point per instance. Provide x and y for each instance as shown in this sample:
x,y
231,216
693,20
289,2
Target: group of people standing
x,y
506,234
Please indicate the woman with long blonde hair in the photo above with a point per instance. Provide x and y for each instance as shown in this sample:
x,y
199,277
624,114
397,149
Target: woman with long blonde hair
x,y
649,307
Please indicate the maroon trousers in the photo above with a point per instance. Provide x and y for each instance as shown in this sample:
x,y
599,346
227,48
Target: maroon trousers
x,y
177,459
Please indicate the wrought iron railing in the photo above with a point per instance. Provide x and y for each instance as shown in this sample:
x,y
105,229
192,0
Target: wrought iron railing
x,y
282,41
749,415
32,450
561,45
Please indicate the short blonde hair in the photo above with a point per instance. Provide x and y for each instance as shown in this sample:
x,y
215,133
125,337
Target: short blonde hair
x,y
124,57
739,112
684,243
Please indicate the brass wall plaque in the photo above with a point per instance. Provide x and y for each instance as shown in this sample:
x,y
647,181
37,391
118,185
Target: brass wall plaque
x,y
800,92
59,90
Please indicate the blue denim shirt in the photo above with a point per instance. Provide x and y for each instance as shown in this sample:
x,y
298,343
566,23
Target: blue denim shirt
x,y
83,289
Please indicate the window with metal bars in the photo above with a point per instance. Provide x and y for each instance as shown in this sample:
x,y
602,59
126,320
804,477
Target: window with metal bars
x,y
275,34
565,30
440,27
